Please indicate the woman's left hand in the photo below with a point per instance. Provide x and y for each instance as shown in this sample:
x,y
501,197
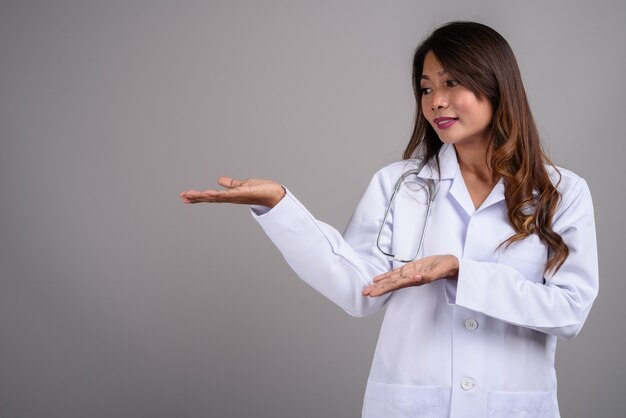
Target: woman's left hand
x,y
415,273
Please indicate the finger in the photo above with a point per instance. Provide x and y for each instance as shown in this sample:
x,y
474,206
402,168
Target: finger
x,y
183,196
432,271
417,278
377,289
430,276
188,192
194,196
366,291
380,277
369,291
222,196
394,282
229,182
373,290
240,195
408,270
404,271
388,275
405,281
190,196
381,289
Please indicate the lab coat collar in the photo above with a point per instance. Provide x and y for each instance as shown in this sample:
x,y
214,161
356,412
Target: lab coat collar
x,y
449,168
496,195
448,165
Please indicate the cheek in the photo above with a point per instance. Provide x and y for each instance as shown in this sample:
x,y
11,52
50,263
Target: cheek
x,y
484,113
424,104
478,112
465,103
426,111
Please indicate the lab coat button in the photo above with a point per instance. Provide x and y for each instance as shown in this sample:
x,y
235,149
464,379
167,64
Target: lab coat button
x,y
467,383
471,324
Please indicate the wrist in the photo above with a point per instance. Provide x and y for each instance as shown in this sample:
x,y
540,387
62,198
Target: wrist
x,y
454,271
278,196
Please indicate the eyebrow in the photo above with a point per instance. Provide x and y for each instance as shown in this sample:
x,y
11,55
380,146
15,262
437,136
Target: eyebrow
x,y
425,77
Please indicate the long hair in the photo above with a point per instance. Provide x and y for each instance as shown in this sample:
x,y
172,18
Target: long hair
x,y
480,59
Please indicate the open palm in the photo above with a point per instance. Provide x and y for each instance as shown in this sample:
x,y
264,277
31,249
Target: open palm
x,y
248,192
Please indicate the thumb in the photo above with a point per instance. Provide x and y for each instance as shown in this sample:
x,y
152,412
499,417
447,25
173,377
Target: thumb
x,y
229,182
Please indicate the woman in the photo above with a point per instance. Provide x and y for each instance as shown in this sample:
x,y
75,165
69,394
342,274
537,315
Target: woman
x,y
480,285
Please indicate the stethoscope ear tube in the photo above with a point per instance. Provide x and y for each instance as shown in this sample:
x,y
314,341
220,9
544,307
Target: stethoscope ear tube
x,y
432,191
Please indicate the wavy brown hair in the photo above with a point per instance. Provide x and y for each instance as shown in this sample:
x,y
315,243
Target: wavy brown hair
x,y
480,59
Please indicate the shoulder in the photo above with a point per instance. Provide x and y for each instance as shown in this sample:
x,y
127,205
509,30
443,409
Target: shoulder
x,y
574,191
400,166
384,179
396,169
566,181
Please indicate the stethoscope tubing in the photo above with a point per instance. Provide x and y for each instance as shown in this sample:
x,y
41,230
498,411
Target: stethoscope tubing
x,y
432,192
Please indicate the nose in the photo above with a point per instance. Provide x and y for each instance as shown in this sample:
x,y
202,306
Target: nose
x,y
439,99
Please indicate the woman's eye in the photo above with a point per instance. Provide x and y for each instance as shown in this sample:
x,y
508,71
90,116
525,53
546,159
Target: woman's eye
x,y
451,83
425,90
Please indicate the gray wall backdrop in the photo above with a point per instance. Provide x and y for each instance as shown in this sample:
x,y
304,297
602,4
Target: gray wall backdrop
x,y
118,300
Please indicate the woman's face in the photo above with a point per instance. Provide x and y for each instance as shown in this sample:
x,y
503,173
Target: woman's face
x,y
454,112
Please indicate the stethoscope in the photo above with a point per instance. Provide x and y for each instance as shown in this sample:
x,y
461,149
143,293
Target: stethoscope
x,y
431,189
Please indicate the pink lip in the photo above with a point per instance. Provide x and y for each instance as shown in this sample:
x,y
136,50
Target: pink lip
x,y
444,123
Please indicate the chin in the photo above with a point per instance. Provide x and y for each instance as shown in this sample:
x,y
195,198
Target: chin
x,y
447,140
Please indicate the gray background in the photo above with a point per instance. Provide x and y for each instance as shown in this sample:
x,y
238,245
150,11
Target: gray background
x,y
117,300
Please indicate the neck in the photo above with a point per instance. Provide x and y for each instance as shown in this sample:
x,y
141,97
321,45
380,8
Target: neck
x,y
475,160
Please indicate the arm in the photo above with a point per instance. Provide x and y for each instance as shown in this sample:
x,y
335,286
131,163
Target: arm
x,y
337,266
558,307
561,305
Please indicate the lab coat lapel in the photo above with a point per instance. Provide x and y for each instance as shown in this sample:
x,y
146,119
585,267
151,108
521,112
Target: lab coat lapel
x,y
449,167
459,192
496,195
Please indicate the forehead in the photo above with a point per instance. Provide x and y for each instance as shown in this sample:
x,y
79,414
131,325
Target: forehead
x,y
432,67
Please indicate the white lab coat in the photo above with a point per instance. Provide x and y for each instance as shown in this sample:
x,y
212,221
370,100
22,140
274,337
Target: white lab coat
x,y
480,346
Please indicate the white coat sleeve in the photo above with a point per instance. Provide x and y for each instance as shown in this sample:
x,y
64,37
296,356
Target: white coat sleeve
x,y
339,267
560,305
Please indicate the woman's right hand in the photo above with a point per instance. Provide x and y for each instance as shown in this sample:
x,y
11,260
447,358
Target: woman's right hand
x,y
246,192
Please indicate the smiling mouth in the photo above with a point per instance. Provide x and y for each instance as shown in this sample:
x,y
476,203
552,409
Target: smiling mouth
x,y
444,123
